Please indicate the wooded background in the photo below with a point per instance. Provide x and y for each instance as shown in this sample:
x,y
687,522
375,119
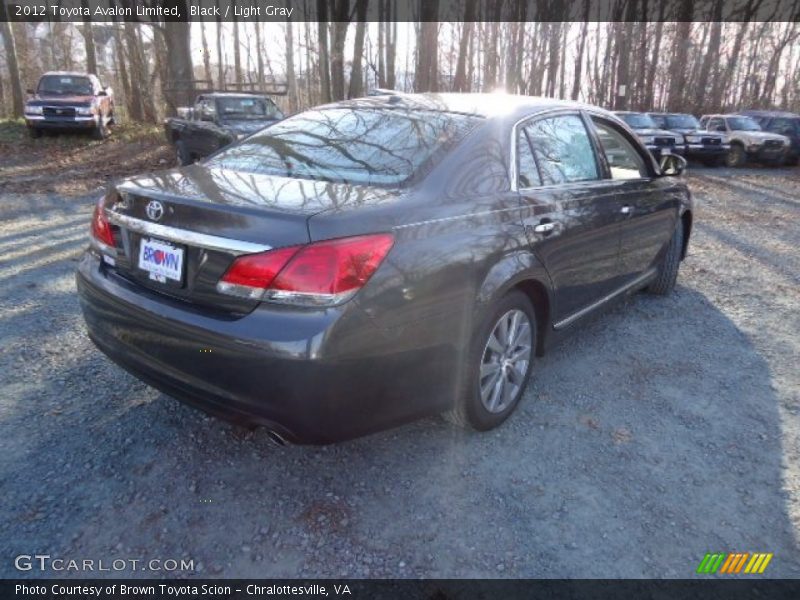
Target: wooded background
x,y
673,64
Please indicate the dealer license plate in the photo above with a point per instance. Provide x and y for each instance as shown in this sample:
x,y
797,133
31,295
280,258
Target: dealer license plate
x,y
161,260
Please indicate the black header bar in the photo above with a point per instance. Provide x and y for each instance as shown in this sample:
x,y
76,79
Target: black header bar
x,y
154,11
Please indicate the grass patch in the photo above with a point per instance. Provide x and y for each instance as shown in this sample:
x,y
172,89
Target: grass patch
x,y
14,132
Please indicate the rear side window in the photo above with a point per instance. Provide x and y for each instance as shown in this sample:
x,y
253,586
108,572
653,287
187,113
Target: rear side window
x,y
623,159
528,172
562,149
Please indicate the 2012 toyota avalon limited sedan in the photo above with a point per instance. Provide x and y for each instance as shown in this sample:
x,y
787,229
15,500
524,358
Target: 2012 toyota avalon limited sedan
x,y
366,263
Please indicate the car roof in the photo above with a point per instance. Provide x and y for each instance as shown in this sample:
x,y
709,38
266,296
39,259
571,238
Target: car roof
x,y
487,105
670,114
68,73
769,113
231,95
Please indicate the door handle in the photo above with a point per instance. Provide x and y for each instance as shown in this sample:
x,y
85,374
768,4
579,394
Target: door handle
x,y
627,210
544,228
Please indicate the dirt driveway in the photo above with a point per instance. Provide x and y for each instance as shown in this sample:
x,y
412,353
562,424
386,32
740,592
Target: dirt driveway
x,y
666,429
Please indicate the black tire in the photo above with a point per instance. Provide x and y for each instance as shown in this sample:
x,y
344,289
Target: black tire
x,y
34,132
664,282
469,410
182,153
714,161
736,156
101,131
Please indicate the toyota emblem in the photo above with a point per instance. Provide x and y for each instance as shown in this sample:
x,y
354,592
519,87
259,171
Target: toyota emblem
x,y
154,210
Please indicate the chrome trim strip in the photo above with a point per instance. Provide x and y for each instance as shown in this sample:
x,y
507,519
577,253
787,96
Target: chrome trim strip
x,y
183,236
597,304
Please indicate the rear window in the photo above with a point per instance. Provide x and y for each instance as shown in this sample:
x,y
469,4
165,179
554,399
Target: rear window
x,y
65,85
246,108
381,147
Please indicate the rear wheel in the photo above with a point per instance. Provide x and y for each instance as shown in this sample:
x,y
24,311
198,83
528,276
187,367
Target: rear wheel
x,y
499,365
736,156
182,153
664,283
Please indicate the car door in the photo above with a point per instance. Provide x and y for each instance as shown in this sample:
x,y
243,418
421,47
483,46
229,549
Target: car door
x,y
569,210
650,210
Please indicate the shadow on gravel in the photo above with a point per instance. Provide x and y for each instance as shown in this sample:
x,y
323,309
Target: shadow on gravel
x,y
646,440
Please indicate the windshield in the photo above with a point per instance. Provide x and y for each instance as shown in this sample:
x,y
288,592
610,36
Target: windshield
x,y
682,122
383,147
247,108
65,85
638,120
743,124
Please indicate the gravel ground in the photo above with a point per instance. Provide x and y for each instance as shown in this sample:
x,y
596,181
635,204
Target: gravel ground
x,y
663,430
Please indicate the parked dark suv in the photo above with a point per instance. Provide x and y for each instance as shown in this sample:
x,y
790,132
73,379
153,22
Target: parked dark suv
x,y
70,101
784,123
365,263
660,142
705,146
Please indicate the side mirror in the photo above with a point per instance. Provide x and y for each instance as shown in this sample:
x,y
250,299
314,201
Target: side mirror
x,y
30,91
102,93
672,165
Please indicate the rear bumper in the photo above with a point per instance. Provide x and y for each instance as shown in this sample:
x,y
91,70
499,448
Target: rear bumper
x,y
313,377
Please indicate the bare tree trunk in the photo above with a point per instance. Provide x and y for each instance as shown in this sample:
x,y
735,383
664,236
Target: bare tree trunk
x,y
324,55
460,80
341,21
391,52
11,61
356,72
649,97
179,64
88,40
427,68
220,56
206,54
576,82
291,80
259,54
237,53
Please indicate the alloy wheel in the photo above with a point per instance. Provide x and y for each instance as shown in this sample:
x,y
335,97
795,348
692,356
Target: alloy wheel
x,y
505,361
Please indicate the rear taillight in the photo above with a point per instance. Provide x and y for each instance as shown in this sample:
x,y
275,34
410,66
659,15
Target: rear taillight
x,y
319,274
101,228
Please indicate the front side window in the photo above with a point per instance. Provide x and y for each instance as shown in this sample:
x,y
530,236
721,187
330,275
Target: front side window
x,y
623,159
562,149
717,125
369,146
65,85
785,126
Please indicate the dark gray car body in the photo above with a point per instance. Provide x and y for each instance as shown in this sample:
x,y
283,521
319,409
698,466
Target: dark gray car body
x,y
464,236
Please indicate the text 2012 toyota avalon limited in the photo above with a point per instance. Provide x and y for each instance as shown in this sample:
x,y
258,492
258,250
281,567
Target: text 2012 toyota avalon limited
x,y
366,263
